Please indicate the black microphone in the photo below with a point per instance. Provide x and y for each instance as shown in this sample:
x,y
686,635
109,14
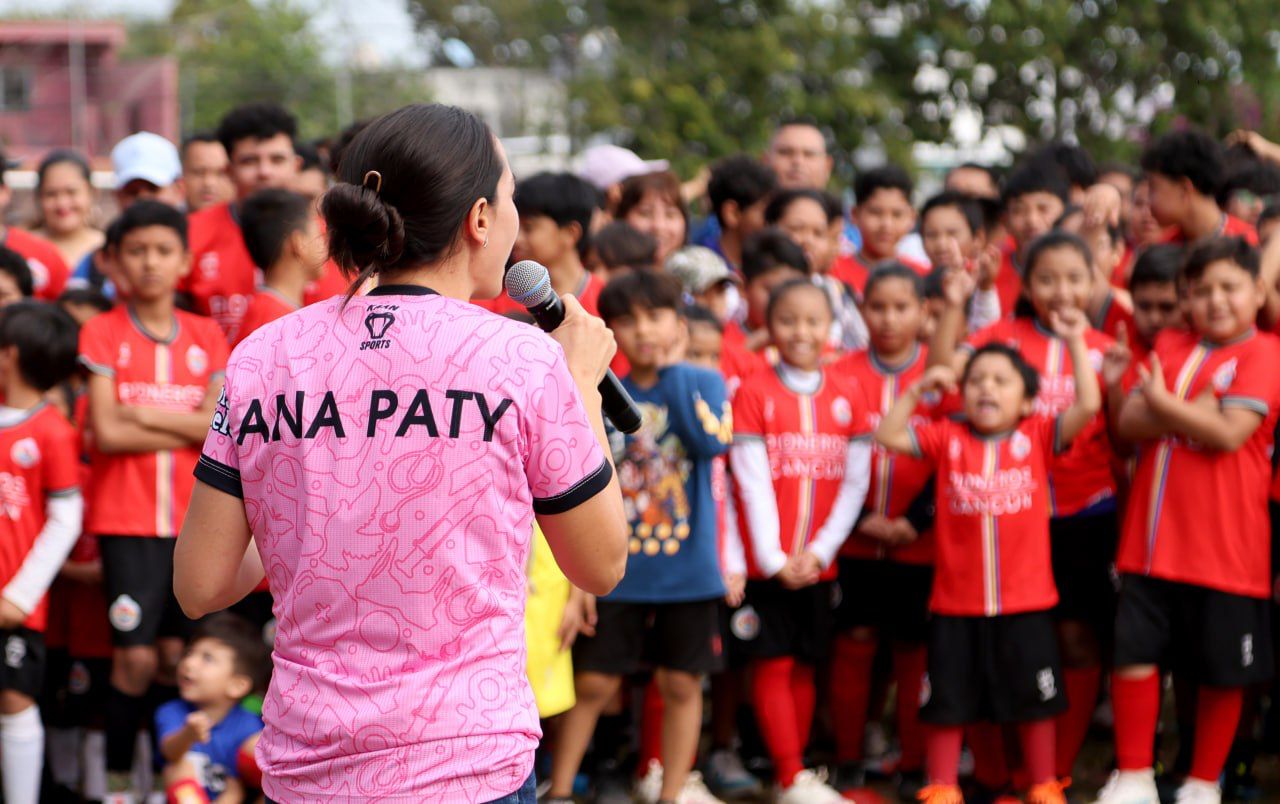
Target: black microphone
x,y
529,286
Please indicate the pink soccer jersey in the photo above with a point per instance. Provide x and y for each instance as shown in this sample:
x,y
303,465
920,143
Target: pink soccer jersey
x,y
391,456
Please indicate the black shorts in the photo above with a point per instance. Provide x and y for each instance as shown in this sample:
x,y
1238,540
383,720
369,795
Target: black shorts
x,y
24,661
138,576
1002,669
889,596
1212,637
632,637
1084,560
775,621
735,656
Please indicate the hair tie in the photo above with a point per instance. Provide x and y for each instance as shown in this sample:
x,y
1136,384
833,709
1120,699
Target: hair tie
x,y
376,188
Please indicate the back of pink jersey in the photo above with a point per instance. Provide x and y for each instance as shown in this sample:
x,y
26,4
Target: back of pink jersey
x,y
391,455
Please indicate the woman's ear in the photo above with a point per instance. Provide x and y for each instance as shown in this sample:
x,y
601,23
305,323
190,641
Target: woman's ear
x,y
479,220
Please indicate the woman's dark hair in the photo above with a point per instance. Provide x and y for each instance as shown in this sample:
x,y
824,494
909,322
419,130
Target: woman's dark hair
x,y
893,269
1235,250
47,339
1030,379
621,245
62,156
1050,241
790,286
781,202
435,162
664,183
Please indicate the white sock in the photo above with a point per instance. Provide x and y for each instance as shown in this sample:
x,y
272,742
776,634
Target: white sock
x,y
21,755
94,761
64,756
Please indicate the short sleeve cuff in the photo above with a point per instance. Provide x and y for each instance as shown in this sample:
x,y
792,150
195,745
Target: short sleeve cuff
x,y
220,476
1248,403
567,500
97,368
916,452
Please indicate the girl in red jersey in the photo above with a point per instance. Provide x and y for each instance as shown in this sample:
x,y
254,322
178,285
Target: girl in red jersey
x,y
992,651
1082,492
886,565
800,468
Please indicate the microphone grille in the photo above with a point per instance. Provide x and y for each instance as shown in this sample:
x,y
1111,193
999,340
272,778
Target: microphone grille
x,y
527,283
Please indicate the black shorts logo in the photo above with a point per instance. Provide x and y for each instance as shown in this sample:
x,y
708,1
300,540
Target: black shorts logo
x,y
1246,650
1047,684
376,322
15,650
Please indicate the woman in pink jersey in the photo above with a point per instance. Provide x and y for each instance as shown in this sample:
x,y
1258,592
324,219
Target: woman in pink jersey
x,y
387,454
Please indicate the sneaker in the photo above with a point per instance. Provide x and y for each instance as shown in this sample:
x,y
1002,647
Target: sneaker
x,y
649,788
1198,791
727,776
941,794
810,787
695,791
1051,792
1130,787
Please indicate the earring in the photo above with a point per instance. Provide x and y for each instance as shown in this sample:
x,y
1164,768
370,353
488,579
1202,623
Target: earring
x,y
486,243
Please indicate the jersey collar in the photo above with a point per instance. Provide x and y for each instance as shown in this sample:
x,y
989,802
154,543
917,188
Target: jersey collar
x,y
402,290
137,324
1241,338
885,368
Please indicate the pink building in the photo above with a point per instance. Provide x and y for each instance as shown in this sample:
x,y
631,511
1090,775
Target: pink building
x,y
63,85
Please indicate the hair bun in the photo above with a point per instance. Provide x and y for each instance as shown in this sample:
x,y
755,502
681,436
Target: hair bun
x,y
364,230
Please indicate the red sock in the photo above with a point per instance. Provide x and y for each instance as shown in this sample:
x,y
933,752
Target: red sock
x,y
1073,725
1037,739
909,664
1217,716
851,661
1136,702
990,768
650,728
776,711
942,753
805,694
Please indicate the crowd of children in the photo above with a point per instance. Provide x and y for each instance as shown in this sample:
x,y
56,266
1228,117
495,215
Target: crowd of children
x,y
998,459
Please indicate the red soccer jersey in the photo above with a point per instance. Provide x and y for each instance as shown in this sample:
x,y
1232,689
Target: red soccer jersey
x,y
223,276
1231,226
1115,311
896,480
737,362
992,525
1081,476
146,493
1197,515
39,458
49,271
1008,280
266,306
807,437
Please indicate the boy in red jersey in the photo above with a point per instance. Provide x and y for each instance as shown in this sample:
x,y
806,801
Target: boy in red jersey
x,y
884,216
1153,285
155,377
1196,580
258,139
49,271
1185,170
1034,197
42,506
800,465
993,655
769,259
39,491
886,564
284,239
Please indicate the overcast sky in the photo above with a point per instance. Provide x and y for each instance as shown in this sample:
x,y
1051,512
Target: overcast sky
x,y
380,26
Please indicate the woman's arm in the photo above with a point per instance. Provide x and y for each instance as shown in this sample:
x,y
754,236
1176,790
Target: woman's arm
x,y
589,541
215,562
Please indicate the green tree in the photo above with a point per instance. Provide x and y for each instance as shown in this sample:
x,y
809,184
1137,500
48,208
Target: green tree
x,y
1104,72
234,51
